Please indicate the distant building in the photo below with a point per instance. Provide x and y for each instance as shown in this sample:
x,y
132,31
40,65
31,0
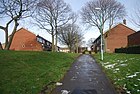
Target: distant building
x,y
66,50
134,39
25,40
95,47
114,38
82,49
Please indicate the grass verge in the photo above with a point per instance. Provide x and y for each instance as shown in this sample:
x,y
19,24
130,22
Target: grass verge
x,y
23,72
123,70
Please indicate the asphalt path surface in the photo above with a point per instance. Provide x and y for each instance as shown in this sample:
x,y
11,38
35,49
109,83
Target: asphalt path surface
x,y
85,77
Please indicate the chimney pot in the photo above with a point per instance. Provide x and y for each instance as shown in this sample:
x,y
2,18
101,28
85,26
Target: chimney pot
x,y
124,21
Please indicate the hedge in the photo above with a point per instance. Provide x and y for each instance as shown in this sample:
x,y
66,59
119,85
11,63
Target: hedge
x,y
129,50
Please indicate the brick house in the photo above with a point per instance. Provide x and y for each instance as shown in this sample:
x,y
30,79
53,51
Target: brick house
x,y
95,47
116,37
134,39
82,49
25,40
66,50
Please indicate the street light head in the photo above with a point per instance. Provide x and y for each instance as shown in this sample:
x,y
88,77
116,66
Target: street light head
x,y
98,8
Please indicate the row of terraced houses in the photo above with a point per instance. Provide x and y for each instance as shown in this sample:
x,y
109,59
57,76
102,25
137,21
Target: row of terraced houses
x,y
25,40
119,36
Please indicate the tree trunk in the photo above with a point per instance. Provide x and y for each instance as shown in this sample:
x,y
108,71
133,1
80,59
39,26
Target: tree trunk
x,y
10,41
53,48
56,35
1,48
76,43
70,48
8,44
56,42
6,38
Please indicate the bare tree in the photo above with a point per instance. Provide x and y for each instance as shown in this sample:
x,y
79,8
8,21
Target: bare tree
x,y
97,13
137,17
50,15
116,11
11,12
1,46
71,36
108,12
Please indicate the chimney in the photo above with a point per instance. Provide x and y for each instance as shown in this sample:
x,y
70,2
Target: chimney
x,y
124,21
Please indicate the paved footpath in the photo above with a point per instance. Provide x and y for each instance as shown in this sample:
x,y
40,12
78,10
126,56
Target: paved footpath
x,y
85,77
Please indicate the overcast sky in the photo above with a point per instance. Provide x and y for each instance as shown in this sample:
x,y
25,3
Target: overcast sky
x,y
76,5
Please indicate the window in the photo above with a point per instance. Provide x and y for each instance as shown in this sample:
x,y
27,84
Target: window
x,y
39,39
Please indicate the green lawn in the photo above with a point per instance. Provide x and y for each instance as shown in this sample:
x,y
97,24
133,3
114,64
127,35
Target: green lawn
x,y
123,70
28,72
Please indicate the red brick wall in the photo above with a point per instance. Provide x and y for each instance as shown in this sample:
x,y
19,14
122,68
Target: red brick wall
x,y
26,41
134,39
117,37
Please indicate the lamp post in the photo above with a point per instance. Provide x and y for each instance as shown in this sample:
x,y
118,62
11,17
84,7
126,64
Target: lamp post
x,y
102,54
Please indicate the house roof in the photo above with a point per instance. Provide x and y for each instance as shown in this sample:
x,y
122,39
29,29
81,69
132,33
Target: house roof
x,y
117,25
97,38
31,33
24,29
134,33
43,38
111,29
